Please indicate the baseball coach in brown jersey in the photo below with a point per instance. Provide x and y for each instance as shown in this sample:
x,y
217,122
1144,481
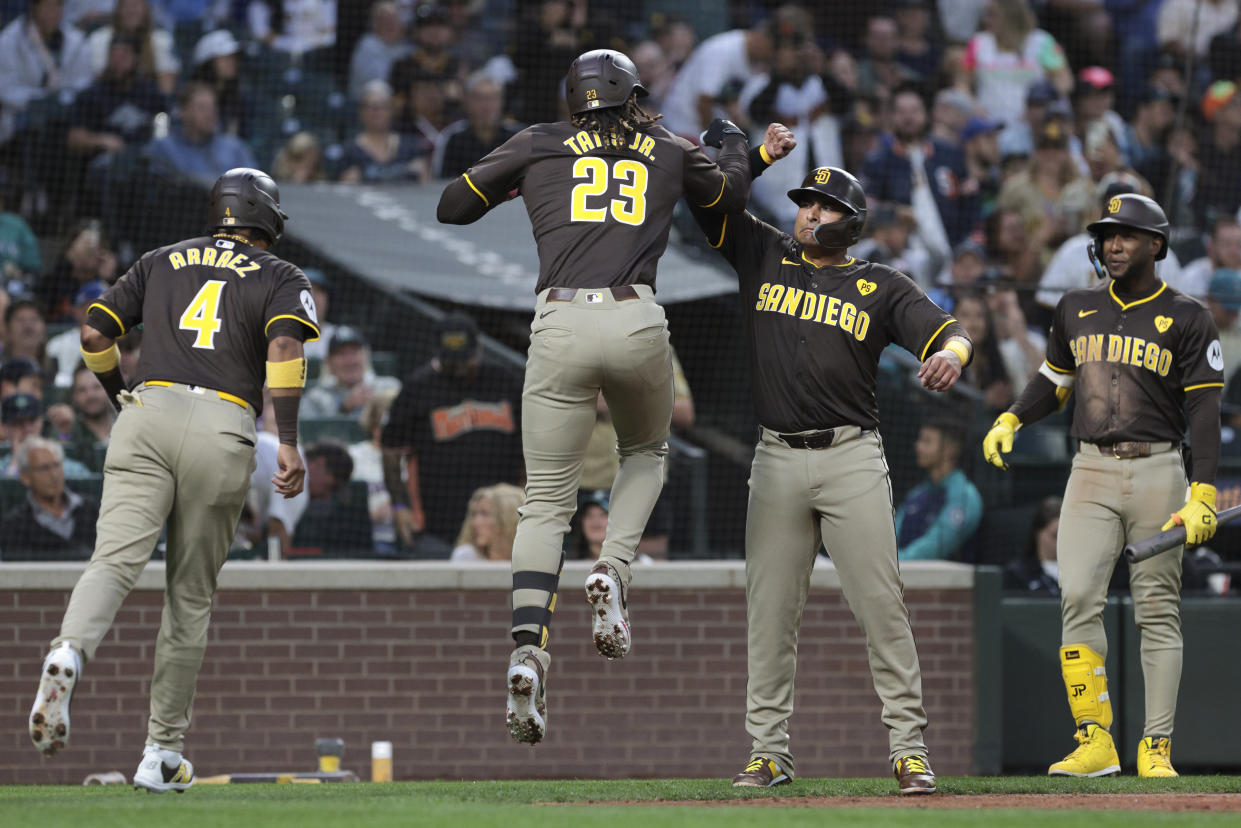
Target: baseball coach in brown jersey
x,y
1139,354
816,320
600,190
220,314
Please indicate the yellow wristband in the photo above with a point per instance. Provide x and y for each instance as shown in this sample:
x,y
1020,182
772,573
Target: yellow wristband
x,y
103,361
960,349
762,152
288,374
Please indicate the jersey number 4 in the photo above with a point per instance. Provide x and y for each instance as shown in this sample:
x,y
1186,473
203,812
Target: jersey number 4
x,y
202,316
630,208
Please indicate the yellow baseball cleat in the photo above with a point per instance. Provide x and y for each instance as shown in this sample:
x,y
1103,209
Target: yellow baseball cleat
x,y
1155,757
1095,755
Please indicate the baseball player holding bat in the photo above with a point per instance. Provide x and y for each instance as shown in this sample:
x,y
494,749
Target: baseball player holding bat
x,y
1139,354
600,190
221,314
817,320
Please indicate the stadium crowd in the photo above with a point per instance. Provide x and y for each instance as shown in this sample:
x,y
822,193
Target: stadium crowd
x,y
986,133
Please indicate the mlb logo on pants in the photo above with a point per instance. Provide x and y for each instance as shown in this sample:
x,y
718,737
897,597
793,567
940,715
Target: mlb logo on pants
x,y
593,298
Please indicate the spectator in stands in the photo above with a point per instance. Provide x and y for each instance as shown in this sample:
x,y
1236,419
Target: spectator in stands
x,y
1070,267
321,292
19,375
21,259
916,50
950,112
937,519
40,56
880,70
88,14
54,523
117,111
490,524
368,467
969,263
656,70
544,44
93,416
590,526
733,56
1223,251
305,28
981,145
1036,570
1094,99
423,104
85,258
986,371
1017,138
1219,154
434,50
456,425
1010,55
25,332
335,520
889,230
21,418
1187,26
1021,345
299,161
131,19
483,129
913,168
1224,54
1224,302
1102,147
676,37
1146,134
377,50
196,147
349,383
268,517
65,348
217,63
378,152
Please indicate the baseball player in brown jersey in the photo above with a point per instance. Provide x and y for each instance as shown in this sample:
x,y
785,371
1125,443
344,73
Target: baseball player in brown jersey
x,y
599,191
817,320
220,314
1138,353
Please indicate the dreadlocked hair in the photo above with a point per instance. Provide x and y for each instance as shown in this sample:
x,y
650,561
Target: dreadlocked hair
x,y
614,124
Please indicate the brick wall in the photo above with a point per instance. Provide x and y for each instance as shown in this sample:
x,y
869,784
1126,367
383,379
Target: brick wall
x,y
424,669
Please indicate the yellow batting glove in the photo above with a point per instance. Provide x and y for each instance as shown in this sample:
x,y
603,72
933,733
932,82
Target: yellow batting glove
x,y
1197,515
999,440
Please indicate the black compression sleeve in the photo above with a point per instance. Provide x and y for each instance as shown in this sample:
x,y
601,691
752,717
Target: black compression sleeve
x,y
1204,438
113,383
1036,401
285,409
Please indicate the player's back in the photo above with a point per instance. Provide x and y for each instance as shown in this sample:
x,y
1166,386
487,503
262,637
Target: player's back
x,y
205,304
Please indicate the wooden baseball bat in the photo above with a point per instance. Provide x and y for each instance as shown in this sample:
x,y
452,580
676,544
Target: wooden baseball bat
x,y
1170,538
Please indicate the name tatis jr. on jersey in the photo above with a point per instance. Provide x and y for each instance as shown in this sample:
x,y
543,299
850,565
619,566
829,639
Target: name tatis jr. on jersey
x,y
826,310
1124,350
239,263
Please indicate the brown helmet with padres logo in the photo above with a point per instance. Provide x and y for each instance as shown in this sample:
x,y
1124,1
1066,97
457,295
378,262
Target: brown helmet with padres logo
x,y
842,191
600,79
1130,210
245,197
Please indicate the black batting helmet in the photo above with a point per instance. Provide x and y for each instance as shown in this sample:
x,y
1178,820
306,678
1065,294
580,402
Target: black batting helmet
x,y
1130,210
600,79
243,197
842,191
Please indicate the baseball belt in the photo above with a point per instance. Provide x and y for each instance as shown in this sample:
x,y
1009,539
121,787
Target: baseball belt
x,y
224,395
619,293
1124,451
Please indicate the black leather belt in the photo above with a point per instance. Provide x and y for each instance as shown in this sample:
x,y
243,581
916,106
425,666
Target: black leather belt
x,y
1125,451
620,293
815,440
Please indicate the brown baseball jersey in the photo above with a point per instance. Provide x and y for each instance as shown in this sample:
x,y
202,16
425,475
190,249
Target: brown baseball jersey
x,y
600,213
1134,361
816,333
218,302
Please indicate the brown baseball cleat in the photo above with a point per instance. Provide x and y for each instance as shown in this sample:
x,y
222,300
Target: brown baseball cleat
x,y
914,775
761,773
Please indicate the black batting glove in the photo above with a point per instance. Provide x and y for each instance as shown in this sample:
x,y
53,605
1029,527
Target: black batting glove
x,y
720,129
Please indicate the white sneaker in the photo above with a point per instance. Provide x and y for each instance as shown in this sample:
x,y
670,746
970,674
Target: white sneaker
x,y
49,716
610,613
527,694
163,770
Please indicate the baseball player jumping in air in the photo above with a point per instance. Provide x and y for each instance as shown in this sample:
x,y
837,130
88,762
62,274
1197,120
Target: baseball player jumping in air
x,y
1138,353
220,315
600,190
816,320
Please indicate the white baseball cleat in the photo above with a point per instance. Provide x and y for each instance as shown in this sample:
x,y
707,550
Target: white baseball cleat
x,y
162,770
610,613
527,694
49,716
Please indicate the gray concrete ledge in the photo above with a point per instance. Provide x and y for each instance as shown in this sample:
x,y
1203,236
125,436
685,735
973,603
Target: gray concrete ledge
x,y
443,575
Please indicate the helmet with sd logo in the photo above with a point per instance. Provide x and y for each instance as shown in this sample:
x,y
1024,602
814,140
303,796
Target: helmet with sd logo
x,y
244,197
1130,210
844,193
